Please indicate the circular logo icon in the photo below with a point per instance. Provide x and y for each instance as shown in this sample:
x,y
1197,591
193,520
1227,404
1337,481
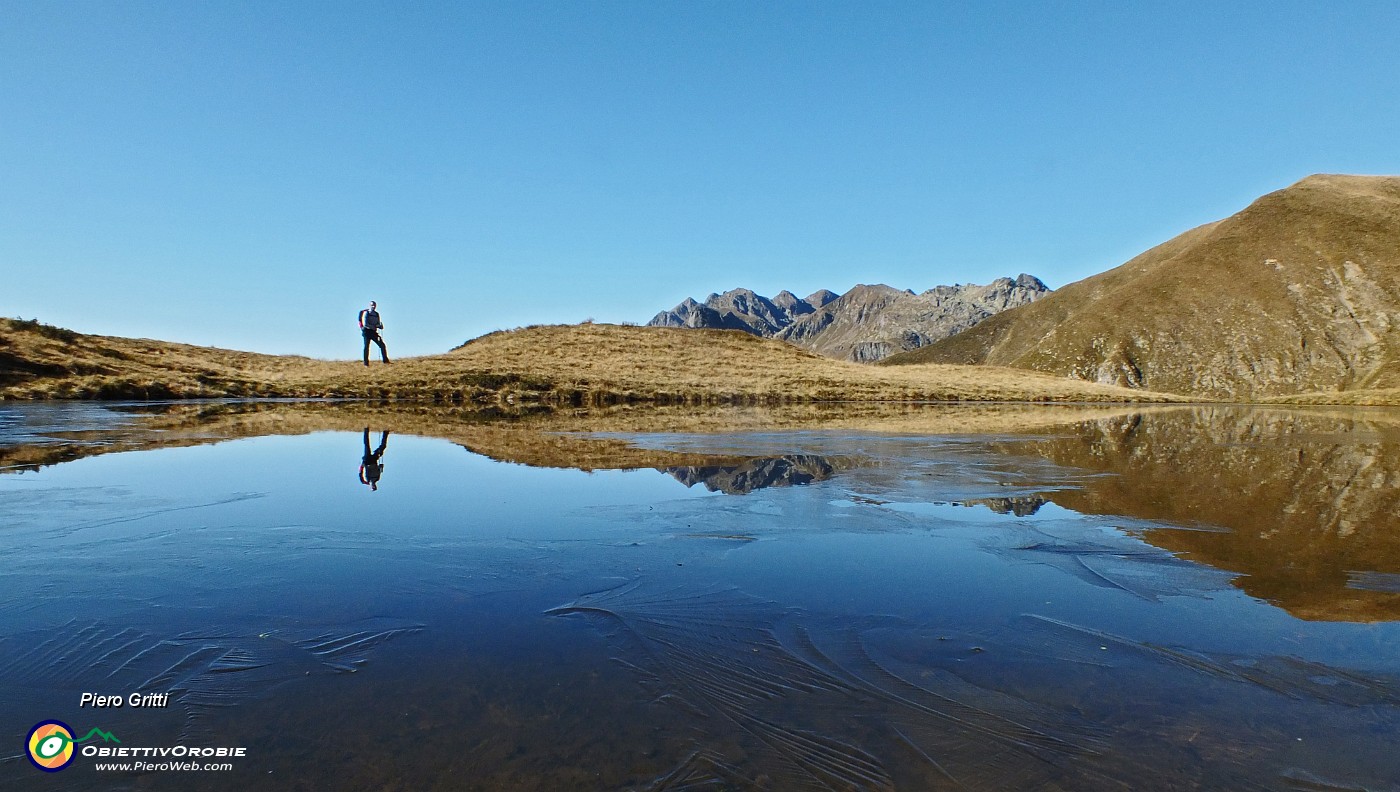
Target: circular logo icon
x,y
51,745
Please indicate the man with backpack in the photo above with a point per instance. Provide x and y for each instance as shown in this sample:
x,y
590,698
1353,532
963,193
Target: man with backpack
x,y
370,325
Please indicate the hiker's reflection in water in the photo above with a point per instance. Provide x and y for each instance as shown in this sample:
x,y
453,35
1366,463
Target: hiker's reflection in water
x,y
371,466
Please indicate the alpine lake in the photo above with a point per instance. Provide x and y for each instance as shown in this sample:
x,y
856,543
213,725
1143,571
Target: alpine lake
x,y
356,596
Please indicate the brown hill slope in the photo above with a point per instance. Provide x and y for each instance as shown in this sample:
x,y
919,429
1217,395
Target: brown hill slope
x,y
667,364
563,364
1299,292
42,361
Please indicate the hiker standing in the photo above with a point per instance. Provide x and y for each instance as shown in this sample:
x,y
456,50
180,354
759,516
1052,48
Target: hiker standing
x,y
370,325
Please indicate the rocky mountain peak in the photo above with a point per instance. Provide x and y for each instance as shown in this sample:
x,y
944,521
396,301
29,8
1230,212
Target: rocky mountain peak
x,y
1030,282
867,323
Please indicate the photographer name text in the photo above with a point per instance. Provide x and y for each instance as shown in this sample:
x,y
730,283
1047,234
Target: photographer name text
x,y
135,700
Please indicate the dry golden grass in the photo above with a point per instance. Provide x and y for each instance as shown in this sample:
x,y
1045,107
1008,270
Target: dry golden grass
x,y
562,364
672,364
1297,293
38,361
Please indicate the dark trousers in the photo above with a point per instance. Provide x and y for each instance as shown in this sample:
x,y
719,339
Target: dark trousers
x,y
373,335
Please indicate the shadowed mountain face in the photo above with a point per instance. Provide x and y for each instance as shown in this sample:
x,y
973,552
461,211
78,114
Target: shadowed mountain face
x,y
1299,292
1304,505
865,324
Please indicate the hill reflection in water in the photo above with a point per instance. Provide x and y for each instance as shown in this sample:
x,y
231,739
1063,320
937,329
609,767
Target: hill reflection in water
x,y
976,597
1304,505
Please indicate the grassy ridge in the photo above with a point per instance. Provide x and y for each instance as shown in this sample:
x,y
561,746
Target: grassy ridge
x,y
557,365
1299,293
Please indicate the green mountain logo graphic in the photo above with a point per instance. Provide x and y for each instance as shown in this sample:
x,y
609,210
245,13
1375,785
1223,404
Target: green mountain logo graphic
x,y
106,736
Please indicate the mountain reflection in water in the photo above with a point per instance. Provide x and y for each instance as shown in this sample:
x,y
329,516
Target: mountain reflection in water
x,y
1026,506
1303,504
756,474
952,597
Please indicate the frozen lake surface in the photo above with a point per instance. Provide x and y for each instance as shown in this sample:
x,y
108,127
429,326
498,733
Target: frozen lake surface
x,y
1041,598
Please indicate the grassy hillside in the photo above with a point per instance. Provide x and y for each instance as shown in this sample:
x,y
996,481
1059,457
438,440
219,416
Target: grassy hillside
x,y
42,361
570,364
1299,293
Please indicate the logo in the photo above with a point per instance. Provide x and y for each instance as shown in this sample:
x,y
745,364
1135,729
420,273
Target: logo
x,y
51,744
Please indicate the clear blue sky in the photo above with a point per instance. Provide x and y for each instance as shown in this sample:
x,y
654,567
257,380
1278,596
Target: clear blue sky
x,y
250,174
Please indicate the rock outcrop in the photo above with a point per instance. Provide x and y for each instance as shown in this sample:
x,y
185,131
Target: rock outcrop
x,y
869,323
865,324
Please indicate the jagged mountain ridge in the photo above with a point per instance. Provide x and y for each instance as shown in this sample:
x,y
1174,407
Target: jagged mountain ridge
x,y
865,324
1299,292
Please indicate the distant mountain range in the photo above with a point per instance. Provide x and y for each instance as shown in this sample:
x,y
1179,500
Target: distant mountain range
x,y
1298,292
865,324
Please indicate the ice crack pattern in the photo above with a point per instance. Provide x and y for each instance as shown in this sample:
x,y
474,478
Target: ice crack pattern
x,y
821,710
202,671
